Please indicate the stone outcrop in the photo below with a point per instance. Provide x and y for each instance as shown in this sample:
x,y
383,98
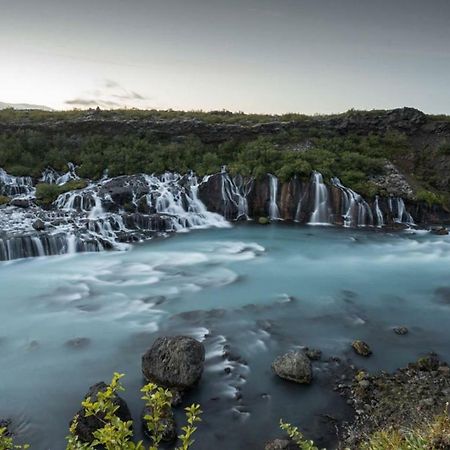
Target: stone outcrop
x,y
294,366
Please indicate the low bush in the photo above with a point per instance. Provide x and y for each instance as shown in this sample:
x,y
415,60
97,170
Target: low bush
x,y
46,193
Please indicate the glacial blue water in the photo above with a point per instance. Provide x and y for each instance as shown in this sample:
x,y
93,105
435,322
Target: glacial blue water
x,y
259,290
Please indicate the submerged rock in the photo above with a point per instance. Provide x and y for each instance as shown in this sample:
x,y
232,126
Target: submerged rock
x,y
264,221
361,348
175,361
78,343
281,444
294,366
86,425
401,330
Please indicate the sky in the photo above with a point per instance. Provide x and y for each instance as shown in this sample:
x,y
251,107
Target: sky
x,y
262,56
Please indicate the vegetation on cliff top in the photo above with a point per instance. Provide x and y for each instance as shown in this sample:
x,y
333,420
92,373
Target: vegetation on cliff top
x,y
285,152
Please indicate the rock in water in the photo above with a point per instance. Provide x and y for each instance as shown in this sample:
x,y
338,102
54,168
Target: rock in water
x,y
86,425
440,231
280,444
175,361
39,225
294,366
401,331
361,348
263,221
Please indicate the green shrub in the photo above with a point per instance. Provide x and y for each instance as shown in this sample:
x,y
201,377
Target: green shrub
x,y
430,198
444,148
4,200
117,434
6,442
46,193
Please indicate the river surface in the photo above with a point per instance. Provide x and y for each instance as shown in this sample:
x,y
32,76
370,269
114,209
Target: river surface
x,y
259,290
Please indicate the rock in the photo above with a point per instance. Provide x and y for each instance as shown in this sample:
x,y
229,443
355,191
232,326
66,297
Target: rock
x,y
401,330
39,225
280,444
294,366
364,384
313,354
20,202
263,221
442,231
78,343
86,425
175,361
167,420
361,348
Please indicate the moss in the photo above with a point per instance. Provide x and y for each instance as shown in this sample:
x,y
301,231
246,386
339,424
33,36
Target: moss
x,y
46,193
263,221
4,200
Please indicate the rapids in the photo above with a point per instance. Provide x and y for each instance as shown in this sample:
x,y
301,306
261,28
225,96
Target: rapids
x,y
70,321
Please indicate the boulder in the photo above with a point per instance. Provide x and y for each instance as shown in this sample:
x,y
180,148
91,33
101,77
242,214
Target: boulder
x,y
361,348
294,366
39,225
442,231
167,420
401,330
174,362
20,202
86,425
281,444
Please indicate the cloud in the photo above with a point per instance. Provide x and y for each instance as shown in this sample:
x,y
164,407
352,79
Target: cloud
x,y
110,94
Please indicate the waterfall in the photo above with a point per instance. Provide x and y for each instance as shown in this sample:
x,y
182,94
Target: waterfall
x,y
379,214
274,212
68,176
321,213
398,209
12,186
356,211
234,195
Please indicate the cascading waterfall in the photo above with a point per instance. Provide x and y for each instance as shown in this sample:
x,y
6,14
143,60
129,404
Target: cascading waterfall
x,y
398,209
11,186
378,213
274,212
234,195
356,211
321,213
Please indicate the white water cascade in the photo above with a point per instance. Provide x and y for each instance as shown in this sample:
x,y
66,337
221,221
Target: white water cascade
x,y
398,209
274,212
356,211
12,186
321,213
378,213
234,195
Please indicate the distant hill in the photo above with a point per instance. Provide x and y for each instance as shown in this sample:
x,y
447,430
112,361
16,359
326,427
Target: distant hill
x,y
24,106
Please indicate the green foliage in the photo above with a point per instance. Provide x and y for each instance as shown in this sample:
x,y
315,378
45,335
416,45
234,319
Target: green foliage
x,y
117,434
4,200
297,437
444,148
431,198
6,442
429,436
46,193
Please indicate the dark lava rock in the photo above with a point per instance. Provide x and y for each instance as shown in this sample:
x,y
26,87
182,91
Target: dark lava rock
x,y
78,343
440,231
281,444
174,362
401,331
361,348
293,366
167,420
313,354
405,399
86,425
20,202
39,225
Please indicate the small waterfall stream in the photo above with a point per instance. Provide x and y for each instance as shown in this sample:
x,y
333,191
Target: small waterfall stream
x,y
321,213
274,212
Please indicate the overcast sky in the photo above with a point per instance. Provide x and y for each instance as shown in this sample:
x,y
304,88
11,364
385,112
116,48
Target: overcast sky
x,y
309,56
